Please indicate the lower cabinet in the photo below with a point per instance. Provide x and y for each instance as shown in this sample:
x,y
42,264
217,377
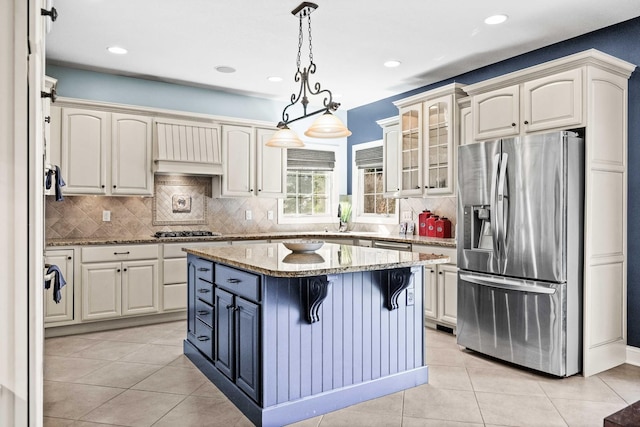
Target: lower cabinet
x,y
224,320
121,286
62,311
237,340
440,288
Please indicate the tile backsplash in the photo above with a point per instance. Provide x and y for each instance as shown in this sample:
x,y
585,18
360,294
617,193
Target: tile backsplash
x,y
132,217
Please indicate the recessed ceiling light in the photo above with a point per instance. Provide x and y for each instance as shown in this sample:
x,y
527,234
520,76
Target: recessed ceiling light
x,y
495,19
225,69
392,63
274,79
117,50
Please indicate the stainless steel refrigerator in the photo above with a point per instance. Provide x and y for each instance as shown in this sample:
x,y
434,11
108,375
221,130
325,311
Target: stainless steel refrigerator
x,y
519,242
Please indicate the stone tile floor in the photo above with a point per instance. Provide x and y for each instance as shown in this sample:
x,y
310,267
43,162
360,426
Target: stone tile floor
x,y
139,377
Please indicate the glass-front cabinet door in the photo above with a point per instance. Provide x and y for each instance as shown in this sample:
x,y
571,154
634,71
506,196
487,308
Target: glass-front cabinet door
x,y
438,146
411,150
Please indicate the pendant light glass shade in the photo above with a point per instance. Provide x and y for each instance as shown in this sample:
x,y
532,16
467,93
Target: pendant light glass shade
x,y
285,138
327,126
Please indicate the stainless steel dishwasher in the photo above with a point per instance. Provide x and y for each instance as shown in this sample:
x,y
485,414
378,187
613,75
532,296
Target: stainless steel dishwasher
x,y
396,246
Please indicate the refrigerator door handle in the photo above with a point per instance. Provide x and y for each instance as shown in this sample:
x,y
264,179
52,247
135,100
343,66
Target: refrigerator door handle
x,y
503,200
494,200
513,285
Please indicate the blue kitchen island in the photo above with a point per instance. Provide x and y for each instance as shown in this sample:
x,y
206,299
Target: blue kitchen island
x,y
288,336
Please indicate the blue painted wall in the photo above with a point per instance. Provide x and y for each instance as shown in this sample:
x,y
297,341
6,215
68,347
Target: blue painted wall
x,y
83,84
619,40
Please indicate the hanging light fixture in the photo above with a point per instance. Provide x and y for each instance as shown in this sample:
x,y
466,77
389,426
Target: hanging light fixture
x,y
325,126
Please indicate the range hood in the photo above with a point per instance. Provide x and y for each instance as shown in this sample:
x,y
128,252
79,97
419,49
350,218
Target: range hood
x,y
189,148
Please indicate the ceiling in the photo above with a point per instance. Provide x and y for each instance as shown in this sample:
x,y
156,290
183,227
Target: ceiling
x,y
183,41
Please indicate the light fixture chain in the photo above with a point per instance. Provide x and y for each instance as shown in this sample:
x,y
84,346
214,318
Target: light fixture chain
x,y
310,46
300,40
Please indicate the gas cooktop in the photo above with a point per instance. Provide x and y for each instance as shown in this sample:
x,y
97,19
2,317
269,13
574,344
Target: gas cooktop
x,y
196,233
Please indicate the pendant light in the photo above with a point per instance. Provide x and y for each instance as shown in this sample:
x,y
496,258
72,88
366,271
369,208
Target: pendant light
x,y
325,126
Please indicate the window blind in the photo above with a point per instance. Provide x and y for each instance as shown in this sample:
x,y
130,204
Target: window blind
x,y
369,158
310,159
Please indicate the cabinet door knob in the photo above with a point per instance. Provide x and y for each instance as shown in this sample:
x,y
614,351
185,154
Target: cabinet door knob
x,y
102,186
259,189
526,122
53,13
47,119
230,306
439,272
69,258
251,191
417,187
114,186
513,124
118,270
125,269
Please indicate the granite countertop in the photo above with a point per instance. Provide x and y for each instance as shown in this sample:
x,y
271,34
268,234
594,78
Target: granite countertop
x,y
413,239
273,259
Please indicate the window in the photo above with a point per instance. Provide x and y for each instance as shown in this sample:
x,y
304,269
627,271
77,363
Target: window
x,y
308,193
311,195
370,205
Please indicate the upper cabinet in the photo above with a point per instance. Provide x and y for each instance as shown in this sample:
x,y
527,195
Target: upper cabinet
x,y
250,168
428,137
105,153
390,155
550,102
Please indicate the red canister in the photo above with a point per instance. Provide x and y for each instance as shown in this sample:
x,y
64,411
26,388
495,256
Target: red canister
x,y
443,228
422,222
431,225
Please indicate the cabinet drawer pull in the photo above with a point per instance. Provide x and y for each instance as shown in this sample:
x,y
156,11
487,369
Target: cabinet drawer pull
x,y
230,306
204,290
202,312
203,269
203,338
232,280
122,253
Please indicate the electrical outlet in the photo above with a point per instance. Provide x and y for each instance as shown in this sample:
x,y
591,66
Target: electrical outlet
x,y
106,216
406,216
410,297
270,215
247,215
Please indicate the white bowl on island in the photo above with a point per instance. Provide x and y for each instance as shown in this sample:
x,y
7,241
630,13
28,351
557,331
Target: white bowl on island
x,y
303,246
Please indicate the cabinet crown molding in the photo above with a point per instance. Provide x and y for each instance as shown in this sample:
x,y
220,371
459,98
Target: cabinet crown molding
x,y
452,88
591,57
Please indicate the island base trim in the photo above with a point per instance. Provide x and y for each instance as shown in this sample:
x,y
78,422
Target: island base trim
x,y
310,406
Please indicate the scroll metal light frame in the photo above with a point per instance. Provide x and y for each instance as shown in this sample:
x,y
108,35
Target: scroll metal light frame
x,y
303,11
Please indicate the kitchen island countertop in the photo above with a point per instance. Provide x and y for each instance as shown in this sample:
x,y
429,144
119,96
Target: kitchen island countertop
x,y
274,259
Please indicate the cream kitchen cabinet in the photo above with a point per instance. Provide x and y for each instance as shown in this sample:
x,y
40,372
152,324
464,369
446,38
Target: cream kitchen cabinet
x,y
428,137
585,90
105,153
466,121
56,313
440,288
250,168
119,281
550,102
390,155
174,273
